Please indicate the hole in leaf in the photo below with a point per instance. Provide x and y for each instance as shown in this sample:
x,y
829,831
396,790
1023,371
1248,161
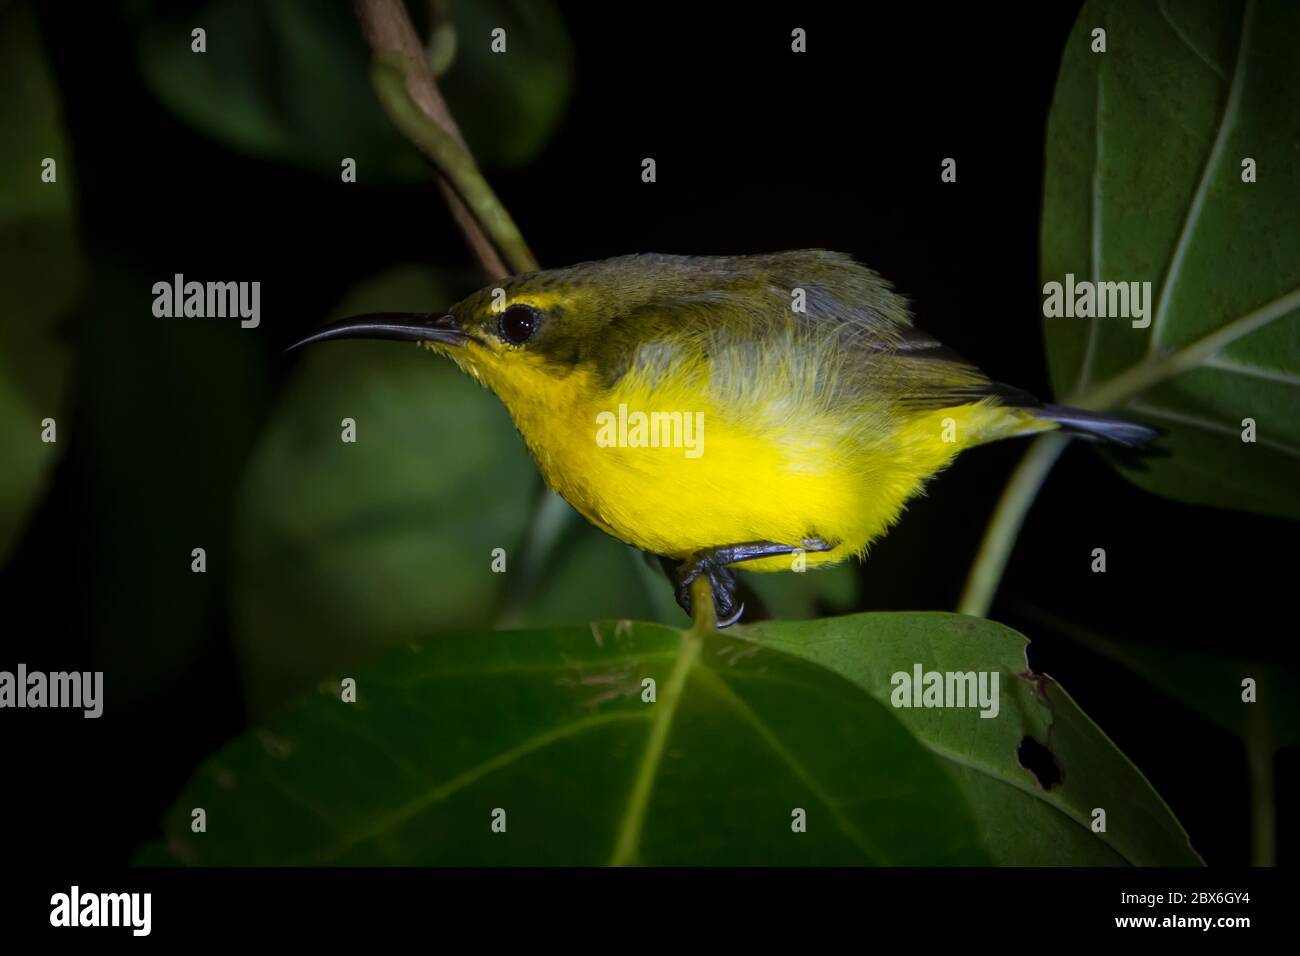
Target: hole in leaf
x,y
1040,761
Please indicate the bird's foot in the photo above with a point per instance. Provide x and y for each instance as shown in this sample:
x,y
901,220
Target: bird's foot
x,y
714,564
722,585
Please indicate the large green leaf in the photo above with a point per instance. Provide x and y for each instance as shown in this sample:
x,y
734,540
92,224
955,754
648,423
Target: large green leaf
x,y
553,727
290,81
41,268
1021,821
1144,183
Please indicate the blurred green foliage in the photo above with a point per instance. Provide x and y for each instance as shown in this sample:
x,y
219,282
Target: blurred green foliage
x,y
290,81
41,269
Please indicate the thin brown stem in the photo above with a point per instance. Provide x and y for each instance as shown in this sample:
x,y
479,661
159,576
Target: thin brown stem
x,y
389,31
453,160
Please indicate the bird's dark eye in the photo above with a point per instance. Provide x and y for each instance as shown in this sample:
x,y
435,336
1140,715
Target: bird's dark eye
x,y
518,323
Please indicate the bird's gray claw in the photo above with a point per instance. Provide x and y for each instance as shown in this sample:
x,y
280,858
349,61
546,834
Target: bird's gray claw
x,y
733,618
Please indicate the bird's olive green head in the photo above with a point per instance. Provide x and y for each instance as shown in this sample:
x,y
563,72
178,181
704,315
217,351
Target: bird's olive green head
x,y
559,320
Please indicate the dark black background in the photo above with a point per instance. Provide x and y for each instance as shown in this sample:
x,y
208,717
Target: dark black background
x,y
757,150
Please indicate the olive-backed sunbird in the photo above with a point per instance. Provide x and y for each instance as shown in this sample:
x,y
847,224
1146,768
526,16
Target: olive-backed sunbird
x,y
769,408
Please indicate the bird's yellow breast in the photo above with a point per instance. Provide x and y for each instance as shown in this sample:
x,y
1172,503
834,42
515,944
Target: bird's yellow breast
x,y
670,469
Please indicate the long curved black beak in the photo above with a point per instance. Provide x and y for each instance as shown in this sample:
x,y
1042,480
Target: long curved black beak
x,y
402,326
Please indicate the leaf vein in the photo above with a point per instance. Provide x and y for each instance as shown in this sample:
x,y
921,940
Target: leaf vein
x,y
769,737
1253,371
628,836
1226,121
1184,418
1188,42
497,762
1090,348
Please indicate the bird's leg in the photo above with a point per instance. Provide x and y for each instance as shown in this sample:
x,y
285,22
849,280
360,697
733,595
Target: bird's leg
x,y
714,562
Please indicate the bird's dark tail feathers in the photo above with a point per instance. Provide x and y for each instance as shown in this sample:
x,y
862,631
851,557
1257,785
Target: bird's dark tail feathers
x,y
1096,426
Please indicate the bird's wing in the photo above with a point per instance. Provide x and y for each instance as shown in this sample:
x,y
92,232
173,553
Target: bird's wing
x,y
814,321
811,321
855,323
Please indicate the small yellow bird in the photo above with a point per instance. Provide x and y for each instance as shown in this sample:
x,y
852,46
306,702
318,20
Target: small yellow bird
x,y
720,410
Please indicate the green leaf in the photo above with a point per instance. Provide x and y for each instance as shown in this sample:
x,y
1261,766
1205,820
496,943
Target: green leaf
x,y
41,269
1022,823
280,80
289,81
553,727
1144,184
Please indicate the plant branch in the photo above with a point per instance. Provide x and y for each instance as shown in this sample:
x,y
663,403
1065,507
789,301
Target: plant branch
x,y
1004,527
1163,366
392,37
704,617
452,159
1260,755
